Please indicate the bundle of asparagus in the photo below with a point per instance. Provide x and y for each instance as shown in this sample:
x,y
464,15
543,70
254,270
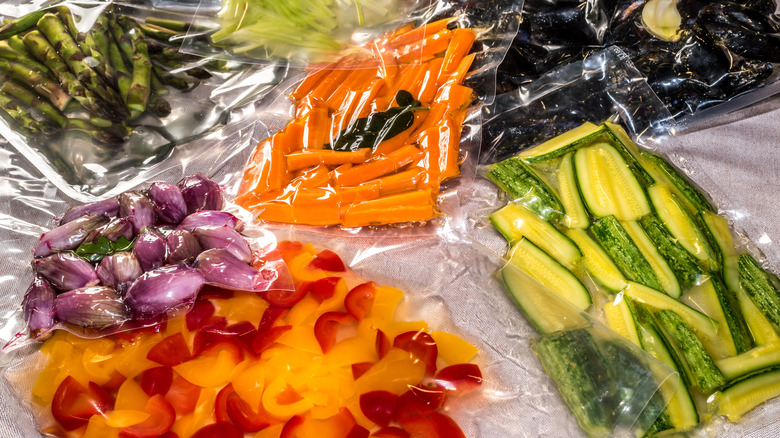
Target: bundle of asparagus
x,y
97,83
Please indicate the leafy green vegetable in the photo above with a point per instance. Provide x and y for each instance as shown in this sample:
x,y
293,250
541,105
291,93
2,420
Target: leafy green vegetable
x,y
95,251
369,131
294,28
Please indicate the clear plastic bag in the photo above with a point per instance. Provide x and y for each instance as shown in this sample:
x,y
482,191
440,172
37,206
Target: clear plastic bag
x,y
92,136
724,50
378,139
141,259
301,33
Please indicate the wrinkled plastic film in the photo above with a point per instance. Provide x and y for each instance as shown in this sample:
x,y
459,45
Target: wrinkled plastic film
x,y
379,135
93,149
301,33
101,270
712,56
600,87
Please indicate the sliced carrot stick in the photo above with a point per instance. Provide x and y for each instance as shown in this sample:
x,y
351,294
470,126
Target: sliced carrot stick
x,y
368,95
363,192
404,207
355,80
316,129
405,181
460,45
388,65
290,139
378,167
318,212
301,160
435,114
313,177
311,81
328,84
431,45
401,138
416,84
428,85
463,68
449,141
255,176
277,174
420,33
344,117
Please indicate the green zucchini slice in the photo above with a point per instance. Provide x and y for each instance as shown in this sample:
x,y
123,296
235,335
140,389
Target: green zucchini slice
x,y
744,395
611,235
522,183
756,282
700,322
703,371
679,223
660,267
514,222
757,359
533,299
680,182
546,270
607,184
562,144
597,262
682,263
576,215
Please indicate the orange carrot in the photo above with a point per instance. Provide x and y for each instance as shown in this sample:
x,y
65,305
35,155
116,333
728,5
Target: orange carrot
x,y
277,174
401,138
460,45
399,182
420,33
290,139
463,68
317,212
435,114
328,84
300,160
316,129
355,80
431,45
388,65
256,173
449,140
367,97
428,83
378,167
342,117
314,177
363,192
405,207
311,81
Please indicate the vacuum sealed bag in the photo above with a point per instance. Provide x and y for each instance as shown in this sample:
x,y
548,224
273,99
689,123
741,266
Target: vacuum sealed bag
x,y
618,231
98,95
379,136
695,55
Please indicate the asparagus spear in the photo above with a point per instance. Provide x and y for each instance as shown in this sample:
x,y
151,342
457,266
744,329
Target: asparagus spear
x,y
99,47
22,116
32,100
169,79
158,32
79,37
20,24
101,135
40,47
9,53
123,78
37,81
140,87
51,26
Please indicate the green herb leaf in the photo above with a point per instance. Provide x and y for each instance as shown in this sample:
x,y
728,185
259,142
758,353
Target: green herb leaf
x,y
95,251
369,132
